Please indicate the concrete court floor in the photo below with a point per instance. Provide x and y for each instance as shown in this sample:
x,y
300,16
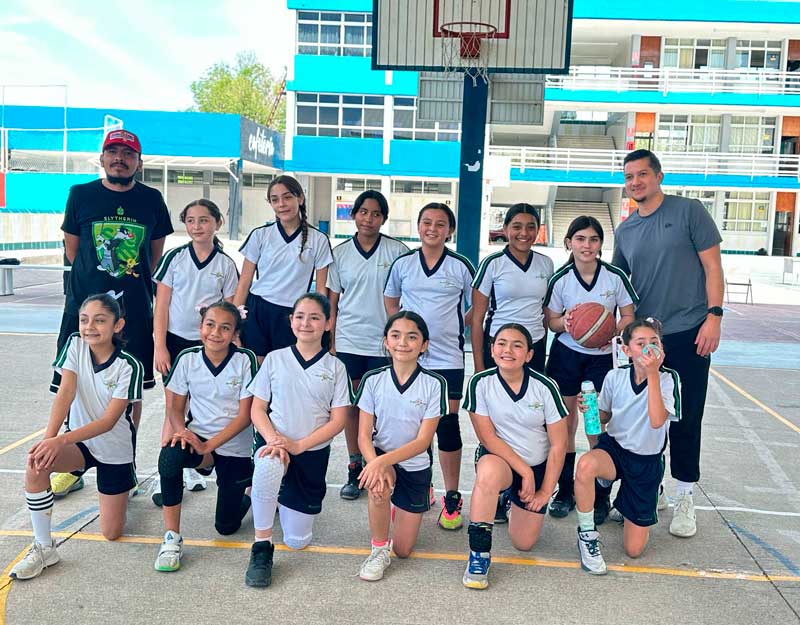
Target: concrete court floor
x,y
743,565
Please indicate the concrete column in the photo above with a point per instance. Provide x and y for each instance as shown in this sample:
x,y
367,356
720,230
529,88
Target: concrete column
x,y
636,46
388,127
730,53
771,222
719,208
208,180
725,133
795,222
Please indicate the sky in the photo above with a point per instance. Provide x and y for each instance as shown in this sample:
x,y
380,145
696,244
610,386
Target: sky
x,y
137,55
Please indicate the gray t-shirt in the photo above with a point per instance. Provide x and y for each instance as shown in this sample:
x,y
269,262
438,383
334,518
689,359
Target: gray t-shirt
x,y
660,252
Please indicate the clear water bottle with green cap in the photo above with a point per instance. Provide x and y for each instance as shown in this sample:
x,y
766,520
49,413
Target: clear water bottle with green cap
x,y
591,416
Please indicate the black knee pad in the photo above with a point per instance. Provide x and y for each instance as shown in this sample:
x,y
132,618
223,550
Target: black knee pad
x,y
171,461
226,529
448,433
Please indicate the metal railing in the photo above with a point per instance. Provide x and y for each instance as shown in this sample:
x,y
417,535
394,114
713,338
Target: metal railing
x,y
665,80
705,163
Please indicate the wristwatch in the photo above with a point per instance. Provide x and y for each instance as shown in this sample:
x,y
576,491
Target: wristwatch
x,y
716,311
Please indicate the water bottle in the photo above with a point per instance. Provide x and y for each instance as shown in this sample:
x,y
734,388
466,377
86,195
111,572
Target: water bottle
x,y
651,350
591,417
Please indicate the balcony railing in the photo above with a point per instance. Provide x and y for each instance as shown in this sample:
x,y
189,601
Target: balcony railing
x,y
705,163
665,80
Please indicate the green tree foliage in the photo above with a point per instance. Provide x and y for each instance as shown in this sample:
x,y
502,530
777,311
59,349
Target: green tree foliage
x,y
246,87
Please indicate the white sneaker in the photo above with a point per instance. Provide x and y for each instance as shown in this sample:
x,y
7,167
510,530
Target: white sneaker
x,y
155,491
616,516
169,556
684,522
193,481
38,558
377,562
589,550
663,500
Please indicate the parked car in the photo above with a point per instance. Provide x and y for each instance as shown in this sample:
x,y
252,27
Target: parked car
x,y
497,235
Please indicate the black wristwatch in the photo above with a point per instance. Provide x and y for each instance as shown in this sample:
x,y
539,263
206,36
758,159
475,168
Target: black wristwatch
x,y
716,311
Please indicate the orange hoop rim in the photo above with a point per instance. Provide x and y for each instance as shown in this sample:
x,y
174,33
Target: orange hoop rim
x,y
449,29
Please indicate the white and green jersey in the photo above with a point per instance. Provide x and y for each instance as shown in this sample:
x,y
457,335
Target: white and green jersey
x,y
301,393
440,296
214,393
194,284
609,287
283,274
515,291
358,277
120,377
400,409
626,402
519,419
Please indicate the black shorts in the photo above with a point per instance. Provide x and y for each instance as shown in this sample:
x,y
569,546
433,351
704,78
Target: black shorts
x,y
176,344
267,326
455,381
303,487
411,488
536,363
358,365
112,479
569,368
138,335
637,498
516,480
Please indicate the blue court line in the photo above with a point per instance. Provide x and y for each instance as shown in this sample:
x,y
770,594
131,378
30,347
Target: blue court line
x,y
756,354
30,319
785,560
75,517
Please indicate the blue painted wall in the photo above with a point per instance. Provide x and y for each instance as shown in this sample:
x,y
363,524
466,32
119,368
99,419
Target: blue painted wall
x,y
40,192
673,97
347,74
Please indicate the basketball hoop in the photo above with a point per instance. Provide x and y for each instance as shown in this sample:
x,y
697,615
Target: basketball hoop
x,y
464,50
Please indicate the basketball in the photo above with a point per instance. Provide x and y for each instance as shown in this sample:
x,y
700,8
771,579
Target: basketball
x,y
593,325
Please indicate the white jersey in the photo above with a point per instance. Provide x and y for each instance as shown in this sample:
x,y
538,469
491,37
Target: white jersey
x,y
120,377
400,409
609,287
283,274
515,291
214,394
627,404
359,277
301,393
440,296
194,284
519,419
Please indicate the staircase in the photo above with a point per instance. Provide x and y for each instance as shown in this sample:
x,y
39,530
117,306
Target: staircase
x,y
586,142
565,211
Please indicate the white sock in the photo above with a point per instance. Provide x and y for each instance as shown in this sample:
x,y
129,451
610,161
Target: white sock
x,y
41,509
685,488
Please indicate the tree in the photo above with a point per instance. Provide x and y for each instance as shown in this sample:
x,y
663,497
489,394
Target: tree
x,y
246,88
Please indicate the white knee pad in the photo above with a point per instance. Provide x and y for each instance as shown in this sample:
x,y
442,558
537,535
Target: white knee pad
x,y
297,527
267,476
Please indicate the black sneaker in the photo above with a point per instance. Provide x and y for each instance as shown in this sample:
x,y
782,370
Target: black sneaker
x,y
601,510
501,513
259,570
562,504
351,490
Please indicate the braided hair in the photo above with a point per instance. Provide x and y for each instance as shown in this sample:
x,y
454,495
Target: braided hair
x,y
212,209
296,189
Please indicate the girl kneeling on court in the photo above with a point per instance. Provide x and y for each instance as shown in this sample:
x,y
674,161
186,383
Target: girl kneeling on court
x,y
301,400
636,403
216,432
99,384
518,416
399,409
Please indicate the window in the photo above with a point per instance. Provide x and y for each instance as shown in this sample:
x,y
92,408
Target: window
x,y
358,184
328,115
745,211
408,126
153,175
694,53
688,133
422,187
758,54
752,134
334,34
184,176
706,197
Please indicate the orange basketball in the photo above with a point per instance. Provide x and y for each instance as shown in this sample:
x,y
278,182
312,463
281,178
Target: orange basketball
x,y
593,325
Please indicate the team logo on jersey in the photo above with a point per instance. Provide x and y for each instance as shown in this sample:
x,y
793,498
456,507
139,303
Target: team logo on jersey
x,y
110,384
419,403
382,264
234,382
607,294
542,276
325,376
536,405
218,275
117,244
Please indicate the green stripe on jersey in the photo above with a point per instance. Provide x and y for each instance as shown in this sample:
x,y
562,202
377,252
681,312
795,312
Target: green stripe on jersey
x,y
166,259
676,390
62,355
250,355
552,386
444,406
463,259
389,273
482,267
364,377
625,280
469,398
137,374
188,350
562,271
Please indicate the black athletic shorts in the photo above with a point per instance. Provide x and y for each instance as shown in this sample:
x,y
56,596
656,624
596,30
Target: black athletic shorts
x,y
112,479
569,368
455,381
637,498
176,344
303,487
357,365
138,335
267,326
516,480
411,488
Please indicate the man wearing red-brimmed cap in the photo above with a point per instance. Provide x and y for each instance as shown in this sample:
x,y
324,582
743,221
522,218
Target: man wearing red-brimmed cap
x,y
114,231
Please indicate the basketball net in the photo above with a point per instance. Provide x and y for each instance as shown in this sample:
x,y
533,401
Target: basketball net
x,y
466,47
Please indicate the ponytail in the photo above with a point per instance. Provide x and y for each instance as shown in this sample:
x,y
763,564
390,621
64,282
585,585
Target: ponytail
x,y
296,189
212,209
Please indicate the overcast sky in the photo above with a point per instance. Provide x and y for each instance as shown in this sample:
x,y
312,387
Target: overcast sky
x,y
141,55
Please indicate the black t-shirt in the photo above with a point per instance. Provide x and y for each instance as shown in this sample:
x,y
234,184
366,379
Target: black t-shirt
x,y
115,230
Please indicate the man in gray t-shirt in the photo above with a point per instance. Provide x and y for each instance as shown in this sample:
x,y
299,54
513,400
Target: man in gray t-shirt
x,y
670,246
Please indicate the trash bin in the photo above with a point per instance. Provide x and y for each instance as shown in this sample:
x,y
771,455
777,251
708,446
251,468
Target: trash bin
x,y
324,226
